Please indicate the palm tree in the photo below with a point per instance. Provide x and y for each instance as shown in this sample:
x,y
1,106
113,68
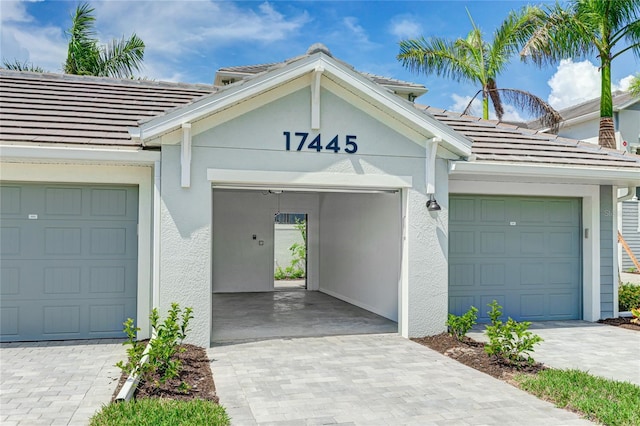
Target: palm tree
x,y
86,56
474,60
586,28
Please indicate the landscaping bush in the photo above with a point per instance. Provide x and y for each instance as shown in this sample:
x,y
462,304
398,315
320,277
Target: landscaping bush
x,y
169,334
459,326
510,341
628,296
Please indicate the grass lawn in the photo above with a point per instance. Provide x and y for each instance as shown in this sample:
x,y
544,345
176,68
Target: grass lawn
x,y
601,400
160,412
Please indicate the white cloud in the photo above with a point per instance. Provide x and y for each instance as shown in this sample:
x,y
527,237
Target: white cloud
x,y
624,83
460,103
26,41
358,33
404,27
175,27
14,11
576,82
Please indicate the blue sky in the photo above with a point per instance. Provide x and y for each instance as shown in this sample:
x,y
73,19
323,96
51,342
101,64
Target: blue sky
x,y
189,40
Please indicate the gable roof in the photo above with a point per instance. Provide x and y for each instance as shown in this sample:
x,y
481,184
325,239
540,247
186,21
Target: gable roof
x,y
589,109
243,71
66,109
40,109
318,60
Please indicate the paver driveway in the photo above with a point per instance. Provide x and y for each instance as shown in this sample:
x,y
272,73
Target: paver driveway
x,y
57,382
366,380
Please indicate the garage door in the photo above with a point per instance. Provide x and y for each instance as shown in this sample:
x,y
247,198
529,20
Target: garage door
x,y
68,261
523,252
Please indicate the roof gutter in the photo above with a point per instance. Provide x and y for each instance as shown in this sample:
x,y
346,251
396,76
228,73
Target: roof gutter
x,y
612,176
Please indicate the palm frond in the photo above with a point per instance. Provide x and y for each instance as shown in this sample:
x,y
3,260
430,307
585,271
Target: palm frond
x,y
16,65
439,56
534,105
120,58
469,107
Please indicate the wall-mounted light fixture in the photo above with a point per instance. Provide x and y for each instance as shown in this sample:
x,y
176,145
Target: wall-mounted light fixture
x,y
432,204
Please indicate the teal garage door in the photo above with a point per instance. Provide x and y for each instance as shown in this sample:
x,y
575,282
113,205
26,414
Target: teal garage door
x,y
523,252
68,261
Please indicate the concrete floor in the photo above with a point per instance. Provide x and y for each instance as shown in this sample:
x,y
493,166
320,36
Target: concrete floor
x,y
295,313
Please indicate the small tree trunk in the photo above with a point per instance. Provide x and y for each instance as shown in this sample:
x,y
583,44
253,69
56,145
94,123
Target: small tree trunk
x,y
607,134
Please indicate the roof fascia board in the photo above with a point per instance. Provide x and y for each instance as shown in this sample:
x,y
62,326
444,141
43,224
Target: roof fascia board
x,y
627,104
605,174
235,93
41,153
250,88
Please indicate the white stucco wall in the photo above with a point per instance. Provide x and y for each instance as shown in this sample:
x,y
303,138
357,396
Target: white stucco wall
x,y
360,247
254,141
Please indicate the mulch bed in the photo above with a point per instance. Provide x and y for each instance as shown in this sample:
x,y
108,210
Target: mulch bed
x,y
621,322
196,372
472,354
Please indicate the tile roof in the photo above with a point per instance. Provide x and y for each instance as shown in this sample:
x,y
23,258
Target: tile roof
x,y
65,109
250,70
500,143
62,109
620,99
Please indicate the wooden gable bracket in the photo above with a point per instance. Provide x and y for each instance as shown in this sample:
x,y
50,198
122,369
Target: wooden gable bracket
x,y
315,97
185,156
432,150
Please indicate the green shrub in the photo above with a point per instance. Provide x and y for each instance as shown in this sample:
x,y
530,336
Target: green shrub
x,y
628,296
511,340
169,335
161,412
459,326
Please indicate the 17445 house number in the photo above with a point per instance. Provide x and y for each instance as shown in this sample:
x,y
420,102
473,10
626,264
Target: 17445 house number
x,y
303,140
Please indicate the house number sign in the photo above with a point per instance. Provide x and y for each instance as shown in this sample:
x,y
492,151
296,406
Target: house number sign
x,y
301,140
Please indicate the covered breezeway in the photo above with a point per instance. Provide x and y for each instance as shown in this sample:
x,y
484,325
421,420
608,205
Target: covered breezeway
x,y
354,249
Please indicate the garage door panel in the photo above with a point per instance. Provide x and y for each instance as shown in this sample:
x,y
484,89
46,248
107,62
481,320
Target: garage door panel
x,y
492,242
9,320
493,211
532,273
532,212
10,200
532,254
63,201
72,268
10,240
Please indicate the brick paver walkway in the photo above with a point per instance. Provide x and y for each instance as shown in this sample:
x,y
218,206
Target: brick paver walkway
x,y
365,380
57,383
